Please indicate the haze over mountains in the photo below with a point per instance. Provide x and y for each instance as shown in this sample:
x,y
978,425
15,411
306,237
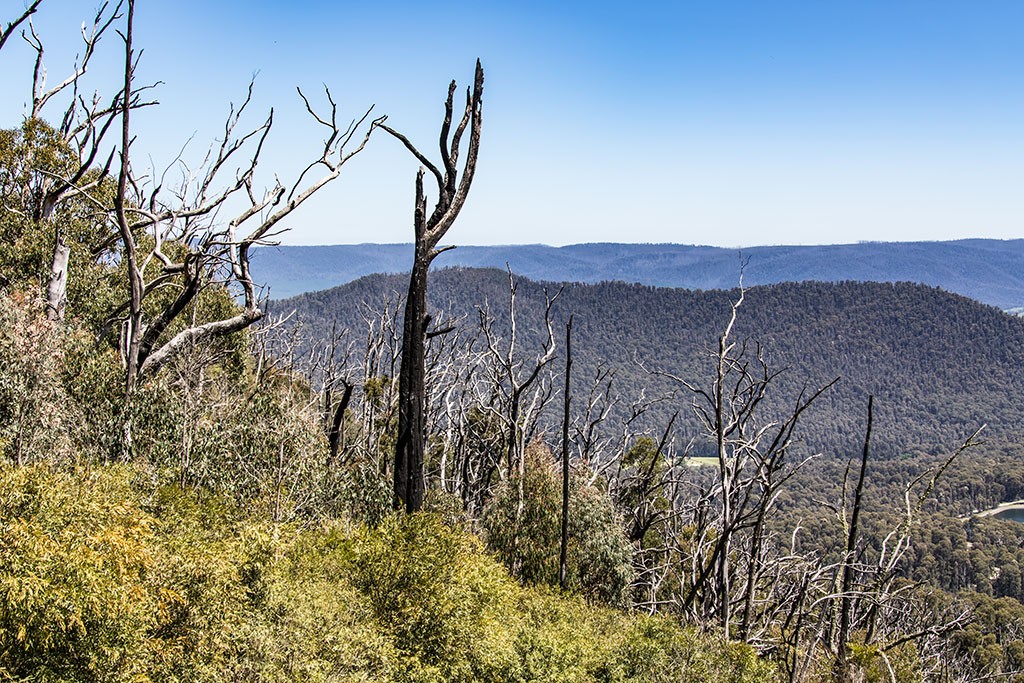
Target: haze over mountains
x,y
990,271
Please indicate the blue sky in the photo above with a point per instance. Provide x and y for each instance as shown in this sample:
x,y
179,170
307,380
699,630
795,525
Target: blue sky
x,y
724,123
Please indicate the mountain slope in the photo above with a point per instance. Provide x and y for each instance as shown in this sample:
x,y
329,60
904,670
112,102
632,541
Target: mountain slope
x,y
991,271
939,364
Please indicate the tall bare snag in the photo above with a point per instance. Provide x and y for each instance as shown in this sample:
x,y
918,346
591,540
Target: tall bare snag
x,y
429,229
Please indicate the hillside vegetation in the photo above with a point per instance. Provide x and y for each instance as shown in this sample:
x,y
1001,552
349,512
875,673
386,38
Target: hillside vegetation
x,y
940,365
199,485
107,577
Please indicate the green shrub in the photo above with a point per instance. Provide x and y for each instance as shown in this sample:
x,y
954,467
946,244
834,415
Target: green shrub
x,y
75,561
528,538
106,577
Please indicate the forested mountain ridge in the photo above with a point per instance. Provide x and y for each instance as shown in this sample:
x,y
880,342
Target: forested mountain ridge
x,y
991,271
939,364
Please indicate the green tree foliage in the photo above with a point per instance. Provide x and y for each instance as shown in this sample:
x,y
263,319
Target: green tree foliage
x,y
522,524
33,157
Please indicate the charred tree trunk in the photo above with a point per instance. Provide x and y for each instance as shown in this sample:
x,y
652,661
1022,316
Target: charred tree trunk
x,y
846,607
337,431
563,570
409,485
452,193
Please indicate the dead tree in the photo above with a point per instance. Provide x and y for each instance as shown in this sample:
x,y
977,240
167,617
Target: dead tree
x,y
520,390
174,238
429,229
870,597
750,454
567,399
79,138
327,368
853,529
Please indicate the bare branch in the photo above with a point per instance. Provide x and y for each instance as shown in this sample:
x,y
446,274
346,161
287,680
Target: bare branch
x,y
13,25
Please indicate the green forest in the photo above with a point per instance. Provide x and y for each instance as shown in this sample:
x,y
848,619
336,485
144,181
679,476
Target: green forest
x,y
503,481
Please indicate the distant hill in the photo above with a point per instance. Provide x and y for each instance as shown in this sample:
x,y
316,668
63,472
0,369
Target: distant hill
x,y
991,271
939,364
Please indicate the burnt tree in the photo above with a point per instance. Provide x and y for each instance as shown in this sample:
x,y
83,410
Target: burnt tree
x,y
429,229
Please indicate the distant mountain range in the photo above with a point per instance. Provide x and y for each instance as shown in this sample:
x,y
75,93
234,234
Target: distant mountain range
x,y
990,271
939,364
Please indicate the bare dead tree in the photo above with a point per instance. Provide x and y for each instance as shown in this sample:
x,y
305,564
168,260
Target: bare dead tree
x,y
478,439
516,380
852,536
429,229
563,575
379,380
728,515
148,220
597,446
871,597
80,135
455,366
328,369
452,366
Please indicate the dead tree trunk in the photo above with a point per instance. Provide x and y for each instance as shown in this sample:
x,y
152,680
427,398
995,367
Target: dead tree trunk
x,y
563,574
846,608
412,389
452,193
336,434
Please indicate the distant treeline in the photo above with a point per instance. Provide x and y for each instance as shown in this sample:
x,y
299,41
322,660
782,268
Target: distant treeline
x,y
991,271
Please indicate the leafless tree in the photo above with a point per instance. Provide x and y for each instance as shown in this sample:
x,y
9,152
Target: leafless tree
x,y
871,597
752,465
516,381
852,536
328,369
149,220
81,133
429,229
563,575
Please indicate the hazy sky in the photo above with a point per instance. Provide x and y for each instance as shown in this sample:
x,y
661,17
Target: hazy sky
x,y
723,123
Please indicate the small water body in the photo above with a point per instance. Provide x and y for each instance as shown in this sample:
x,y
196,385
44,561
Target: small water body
x,y
1012,515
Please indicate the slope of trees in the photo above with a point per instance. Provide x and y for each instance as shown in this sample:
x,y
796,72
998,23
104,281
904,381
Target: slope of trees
x,y
759,548
940,365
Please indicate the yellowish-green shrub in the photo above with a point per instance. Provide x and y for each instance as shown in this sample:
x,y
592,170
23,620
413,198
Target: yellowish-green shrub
x,y
75,558
527,536
105,576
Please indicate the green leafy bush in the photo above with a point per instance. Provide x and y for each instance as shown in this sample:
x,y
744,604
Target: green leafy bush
x,y
75,560
523,528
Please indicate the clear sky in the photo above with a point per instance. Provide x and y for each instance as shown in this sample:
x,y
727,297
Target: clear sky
x,y
725,123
